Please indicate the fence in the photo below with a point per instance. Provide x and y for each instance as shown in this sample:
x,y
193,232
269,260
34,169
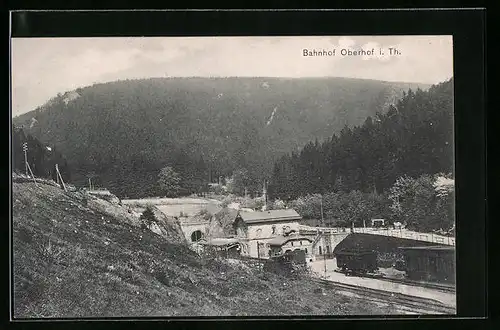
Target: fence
x,y
305,230
408,234
401,233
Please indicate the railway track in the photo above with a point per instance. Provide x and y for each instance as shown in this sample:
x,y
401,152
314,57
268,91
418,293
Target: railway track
x,y
443,288
403,300
439,287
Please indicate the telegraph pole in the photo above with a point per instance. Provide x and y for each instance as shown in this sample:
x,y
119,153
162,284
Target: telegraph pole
x,y
265,193
322,219
25,149
324,258
28,168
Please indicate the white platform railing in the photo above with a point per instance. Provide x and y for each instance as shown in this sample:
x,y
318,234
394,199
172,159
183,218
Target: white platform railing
x,y
401,233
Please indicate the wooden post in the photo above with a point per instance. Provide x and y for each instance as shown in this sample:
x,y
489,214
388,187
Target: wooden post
x,y
60,177
57,176
32,175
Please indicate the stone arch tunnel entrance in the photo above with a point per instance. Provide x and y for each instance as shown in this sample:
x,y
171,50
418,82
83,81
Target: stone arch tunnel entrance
x,y
196,235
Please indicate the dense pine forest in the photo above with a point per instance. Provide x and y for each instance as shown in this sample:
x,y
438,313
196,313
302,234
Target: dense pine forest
x,y
397,165
123,133
414,137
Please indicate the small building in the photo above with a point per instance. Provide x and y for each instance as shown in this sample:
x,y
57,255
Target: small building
x,y
378,222
430,263
255,229
281,245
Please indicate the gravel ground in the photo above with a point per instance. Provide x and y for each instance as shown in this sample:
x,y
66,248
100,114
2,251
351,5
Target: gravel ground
x,y
319,268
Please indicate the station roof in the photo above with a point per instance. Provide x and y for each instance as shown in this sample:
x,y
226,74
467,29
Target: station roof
x,y
270,216
280,240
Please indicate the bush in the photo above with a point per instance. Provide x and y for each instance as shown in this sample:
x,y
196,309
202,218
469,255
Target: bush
x,y
147,217
278,204
205,214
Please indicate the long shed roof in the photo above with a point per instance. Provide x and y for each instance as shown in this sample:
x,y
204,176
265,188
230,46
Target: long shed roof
x,y
270,216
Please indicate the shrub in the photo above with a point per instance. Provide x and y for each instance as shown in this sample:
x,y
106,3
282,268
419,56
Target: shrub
x,y
205,214
147,217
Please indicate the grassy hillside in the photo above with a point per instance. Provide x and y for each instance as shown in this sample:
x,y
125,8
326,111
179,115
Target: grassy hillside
x,y
72,259
126,131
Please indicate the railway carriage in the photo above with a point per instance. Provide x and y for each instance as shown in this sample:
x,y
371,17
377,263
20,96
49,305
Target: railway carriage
x,y
357,261
430,263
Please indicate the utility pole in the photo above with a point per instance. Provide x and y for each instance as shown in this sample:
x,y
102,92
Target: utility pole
x,y
324,258
28,168
322,219
25,149
264,192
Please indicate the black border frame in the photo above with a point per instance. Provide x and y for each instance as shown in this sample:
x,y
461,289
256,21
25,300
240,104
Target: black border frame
x,y
466,26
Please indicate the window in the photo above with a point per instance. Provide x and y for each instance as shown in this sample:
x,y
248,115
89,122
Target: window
x,y
274,229
320,251
306,250
292,243
300,242
258,232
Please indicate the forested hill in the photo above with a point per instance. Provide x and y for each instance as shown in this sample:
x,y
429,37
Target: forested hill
x,y
125,131
414,137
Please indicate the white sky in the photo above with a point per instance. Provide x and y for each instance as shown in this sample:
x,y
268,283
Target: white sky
x,y
43,67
